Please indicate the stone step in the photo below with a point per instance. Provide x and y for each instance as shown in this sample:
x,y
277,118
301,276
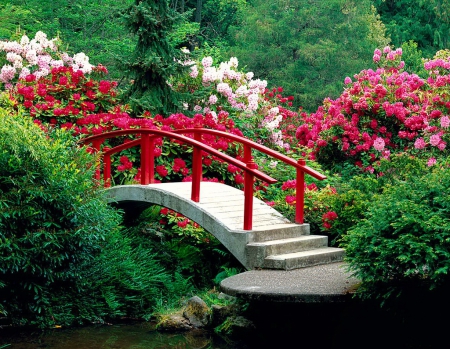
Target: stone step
x,y
290,245
278,231
258,251
304,259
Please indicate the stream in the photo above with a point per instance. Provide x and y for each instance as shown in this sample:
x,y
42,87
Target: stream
x,y
277,326
120,336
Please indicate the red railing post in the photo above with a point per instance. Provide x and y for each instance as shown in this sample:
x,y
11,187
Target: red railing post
x,y
248,196
300,193
146,159
197,170
107,170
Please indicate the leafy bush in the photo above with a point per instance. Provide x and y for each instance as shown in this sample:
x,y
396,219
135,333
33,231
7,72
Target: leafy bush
x,y
183,247
52,218
64,258
404,237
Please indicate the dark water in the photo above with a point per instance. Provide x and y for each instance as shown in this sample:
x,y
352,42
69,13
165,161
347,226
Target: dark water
x,y
124,336
277,326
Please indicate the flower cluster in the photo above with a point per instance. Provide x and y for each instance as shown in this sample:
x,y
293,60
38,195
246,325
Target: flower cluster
x,y
380,112
328,219
183,226
37,56
64,96
251,105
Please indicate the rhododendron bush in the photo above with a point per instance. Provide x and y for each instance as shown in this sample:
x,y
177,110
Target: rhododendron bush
x,y
36,56
256,110
380,112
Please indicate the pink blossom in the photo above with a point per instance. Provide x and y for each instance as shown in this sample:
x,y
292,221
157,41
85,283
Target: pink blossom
x,y
289,184
445,122
419,143
379,144
431,161
207,62
347,80
212,99
435,140
290,200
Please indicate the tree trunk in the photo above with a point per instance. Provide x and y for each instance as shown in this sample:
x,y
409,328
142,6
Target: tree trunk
x,y
198,11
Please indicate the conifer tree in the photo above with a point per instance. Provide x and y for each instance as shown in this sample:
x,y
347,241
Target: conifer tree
x,y
154,60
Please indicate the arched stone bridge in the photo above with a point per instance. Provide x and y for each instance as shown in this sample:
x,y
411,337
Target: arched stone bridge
x,y
254,232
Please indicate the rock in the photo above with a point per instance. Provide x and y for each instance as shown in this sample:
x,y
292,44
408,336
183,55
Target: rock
x,y
174,322
197,312
236,326
219,313
226,296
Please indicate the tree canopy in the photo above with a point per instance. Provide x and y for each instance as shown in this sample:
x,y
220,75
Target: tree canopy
x,y
307,47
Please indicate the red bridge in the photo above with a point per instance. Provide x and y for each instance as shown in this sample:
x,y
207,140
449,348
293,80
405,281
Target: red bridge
x,y
266,239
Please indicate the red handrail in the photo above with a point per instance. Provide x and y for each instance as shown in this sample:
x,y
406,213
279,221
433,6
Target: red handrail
x,y
146,141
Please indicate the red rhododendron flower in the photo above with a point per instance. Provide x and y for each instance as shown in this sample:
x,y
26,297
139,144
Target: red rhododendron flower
x,y
290,200
183,224
162,170
239,179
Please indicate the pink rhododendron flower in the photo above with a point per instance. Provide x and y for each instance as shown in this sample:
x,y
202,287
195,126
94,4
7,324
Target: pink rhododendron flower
x,y
379,144
435,140
289,184
431,161
290,200
419,143
445,122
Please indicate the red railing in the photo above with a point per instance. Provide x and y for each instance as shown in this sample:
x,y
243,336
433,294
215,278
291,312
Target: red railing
x,y
250,168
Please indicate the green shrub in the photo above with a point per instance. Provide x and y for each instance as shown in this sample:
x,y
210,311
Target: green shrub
x,y
185,249
51,217
64,258
404,239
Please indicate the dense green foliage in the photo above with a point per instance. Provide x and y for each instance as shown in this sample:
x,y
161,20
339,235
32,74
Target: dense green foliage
x,y
308,50
153,60
424,22
64,259
52,219
404,237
